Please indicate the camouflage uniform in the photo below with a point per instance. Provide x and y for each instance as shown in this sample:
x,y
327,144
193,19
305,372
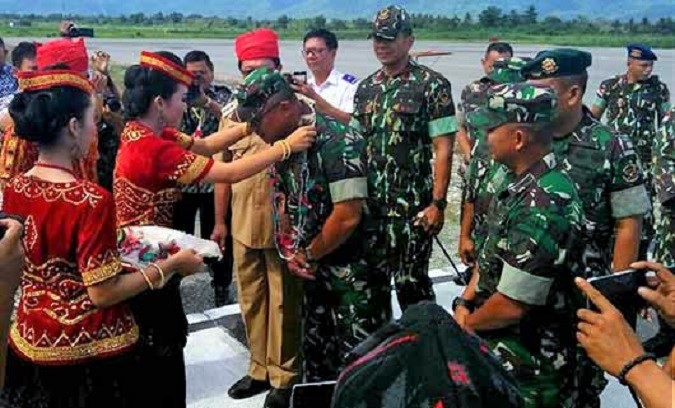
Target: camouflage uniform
x,y
635,110
348,300
399,116
664,184
484,174
607,174
533,224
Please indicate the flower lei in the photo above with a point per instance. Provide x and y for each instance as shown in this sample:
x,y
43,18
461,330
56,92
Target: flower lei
x,y
132,245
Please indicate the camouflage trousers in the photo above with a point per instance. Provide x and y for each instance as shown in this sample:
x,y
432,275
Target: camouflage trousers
x,y
342,307
664,251
402,250
649,220
577,384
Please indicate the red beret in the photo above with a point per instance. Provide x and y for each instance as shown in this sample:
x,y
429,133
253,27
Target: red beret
x,y
72,53
261,43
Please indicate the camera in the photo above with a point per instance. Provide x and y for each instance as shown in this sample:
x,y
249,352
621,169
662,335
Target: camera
x,y
74,31
113,103
194,91
296,77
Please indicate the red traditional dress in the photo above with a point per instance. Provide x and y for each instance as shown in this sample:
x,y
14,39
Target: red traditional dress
x,y
65,350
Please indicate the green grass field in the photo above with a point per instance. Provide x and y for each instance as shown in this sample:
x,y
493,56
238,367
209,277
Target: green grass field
x,y
213,30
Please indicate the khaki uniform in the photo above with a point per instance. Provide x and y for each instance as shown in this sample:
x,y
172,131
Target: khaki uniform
x,y
269,297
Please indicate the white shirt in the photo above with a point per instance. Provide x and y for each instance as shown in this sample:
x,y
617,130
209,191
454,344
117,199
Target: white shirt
x,y
338,90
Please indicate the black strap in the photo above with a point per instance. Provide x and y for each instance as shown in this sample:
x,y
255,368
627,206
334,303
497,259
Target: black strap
x,y
631,364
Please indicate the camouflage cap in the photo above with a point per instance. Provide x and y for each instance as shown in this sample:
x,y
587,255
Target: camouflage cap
x,y
508,70
514,103
556,63
390,21
258,87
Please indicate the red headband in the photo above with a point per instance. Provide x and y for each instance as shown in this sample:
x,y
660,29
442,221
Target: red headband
x,y
168,67
35,81
72,53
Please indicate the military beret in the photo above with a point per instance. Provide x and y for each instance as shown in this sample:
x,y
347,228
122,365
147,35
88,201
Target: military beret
x,y
508,70
514,103
641,52
258,87
389,22
556,63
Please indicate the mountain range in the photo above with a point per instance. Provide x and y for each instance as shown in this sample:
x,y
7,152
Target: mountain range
x,y
344,9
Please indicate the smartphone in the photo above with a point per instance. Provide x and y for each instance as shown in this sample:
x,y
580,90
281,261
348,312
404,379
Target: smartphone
x,y
300,77
620,289
313,395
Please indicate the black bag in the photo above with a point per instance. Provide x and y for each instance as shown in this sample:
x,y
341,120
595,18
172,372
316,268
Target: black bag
x,y
424,360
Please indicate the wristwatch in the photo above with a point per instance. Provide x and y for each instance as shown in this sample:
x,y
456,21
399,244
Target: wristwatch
x,y
440,203
460,301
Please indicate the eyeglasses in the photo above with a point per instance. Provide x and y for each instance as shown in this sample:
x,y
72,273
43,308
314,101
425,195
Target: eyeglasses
x,y
313,52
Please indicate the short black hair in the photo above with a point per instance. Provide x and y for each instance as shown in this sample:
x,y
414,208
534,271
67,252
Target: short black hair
x,y
580,80
198,56
39,116
143,84
23,50
500,47
327,36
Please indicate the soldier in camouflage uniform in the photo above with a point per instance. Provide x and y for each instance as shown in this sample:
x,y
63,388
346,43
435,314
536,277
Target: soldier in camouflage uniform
x,y
319,199
476,190
524,304
664,184
635,103
663,170
406,114
471,98
607,174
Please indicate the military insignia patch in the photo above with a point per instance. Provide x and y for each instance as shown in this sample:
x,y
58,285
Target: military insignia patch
x,y
383,15
549,66
636,54
631,173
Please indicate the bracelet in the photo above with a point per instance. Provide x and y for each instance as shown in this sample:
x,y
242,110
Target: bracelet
x,y
147,279
247,129
286,149
631,364
161,274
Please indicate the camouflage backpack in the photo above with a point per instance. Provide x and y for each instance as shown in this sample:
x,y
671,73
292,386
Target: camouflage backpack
x,y
425,360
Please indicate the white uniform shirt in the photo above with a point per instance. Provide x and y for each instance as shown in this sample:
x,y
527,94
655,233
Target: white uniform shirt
x,y
338,90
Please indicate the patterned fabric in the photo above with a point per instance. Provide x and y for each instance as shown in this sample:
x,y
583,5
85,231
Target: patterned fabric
x,y
56,322
508,70
635,110
145,187
391,21
514,103
608,176
533,224
8,82
348,300
398,117
17,156
664,184
199,123
256,90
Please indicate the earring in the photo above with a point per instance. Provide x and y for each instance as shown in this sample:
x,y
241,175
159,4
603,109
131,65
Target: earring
x,y
162,120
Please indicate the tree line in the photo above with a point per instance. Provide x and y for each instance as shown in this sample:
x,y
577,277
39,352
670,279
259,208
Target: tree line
x,y
526,21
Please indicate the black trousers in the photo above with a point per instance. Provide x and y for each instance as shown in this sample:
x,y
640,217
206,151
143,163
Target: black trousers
x,y
184,218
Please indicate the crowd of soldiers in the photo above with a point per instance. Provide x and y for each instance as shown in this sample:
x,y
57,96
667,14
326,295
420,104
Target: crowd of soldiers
x,y
549,193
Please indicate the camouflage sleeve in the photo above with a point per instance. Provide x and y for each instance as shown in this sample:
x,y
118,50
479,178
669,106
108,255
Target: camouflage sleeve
x,y
628,194
664,94
664,160
471,180
342,158
601,95
441,108
539,234
461,108
357,114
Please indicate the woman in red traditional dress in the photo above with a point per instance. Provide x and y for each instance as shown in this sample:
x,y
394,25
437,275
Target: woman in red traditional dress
x,y
71,343
154,159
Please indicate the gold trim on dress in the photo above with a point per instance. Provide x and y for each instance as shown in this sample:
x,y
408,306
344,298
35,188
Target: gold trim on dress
x,y
102,273
73,352
139,206
76,193
192,169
